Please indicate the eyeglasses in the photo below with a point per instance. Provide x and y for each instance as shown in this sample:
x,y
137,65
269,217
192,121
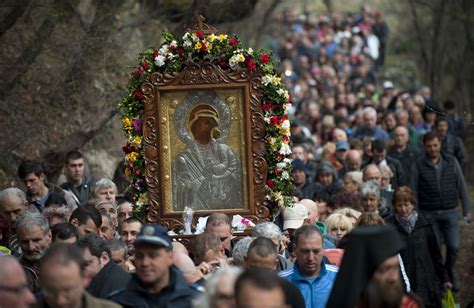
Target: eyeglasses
x,y
17,290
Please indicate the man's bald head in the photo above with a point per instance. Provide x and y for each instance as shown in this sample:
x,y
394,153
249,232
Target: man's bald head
x,y
353,160
313,214
400,136
372,173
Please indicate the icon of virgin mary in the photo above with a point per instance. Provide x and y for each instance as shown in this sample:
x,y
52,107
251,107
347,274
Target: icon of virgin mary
x,y
207,175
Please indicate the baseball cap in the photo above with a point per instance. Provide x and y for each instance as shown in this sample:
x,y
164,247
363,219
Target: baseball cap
x,y
154,235
388,85
293,217
342,145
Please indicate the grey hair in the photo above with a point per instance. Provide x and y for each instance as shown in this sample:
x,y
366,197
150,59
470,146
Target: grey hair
x,y
267,229
326,167
355,176
32,219
109,218
241,249
370,188
104,183
116,245
12,191
230,272
101,202
369,111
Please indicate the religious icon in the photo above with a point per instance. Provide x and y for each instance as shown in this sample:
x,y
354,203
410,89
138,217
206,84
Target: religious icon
x,y
207,175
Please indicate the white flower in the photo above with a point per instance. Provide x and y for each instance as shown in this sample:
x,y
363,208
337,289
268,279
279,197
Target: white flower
x,y
285,149
266,80
285,175
174,44
286,108
250,51
160,60
285,124
267,120
281,92
281,165
235,60
164,49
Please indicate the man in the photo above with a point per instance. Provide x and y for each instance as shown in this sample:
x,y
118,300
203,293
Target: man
x,y
313,219
272,232
128,233
107,229
157,283
105,276
124,210
63,280
39,193
14,291
34,237
438,182
401,150
450,144
79,184
263,253
86,219
208,248
380,157
119,253
303,183
370,128
259,288
300,152
220,225
310,273
105,190
402,118
353,163
369,275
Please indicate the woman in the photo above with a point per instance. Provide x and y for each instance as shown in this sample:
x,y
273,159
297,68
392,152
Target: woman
x,y
422,257
387,175
326,180
338,225
372,199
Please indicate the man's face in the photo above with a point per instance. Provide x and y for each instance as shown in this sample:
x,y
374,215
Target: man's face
x,y
224,296
253,296
124,211
128,234
353,161
373,174
370,121
400,137
74,170
106,230
309,253
62,284
341,155
325,178
378,156
433,148
14,208
224,232
106,194
108,208
88,227
34,184
152,263
442,129
15,278
254,259
402,119
298,153
299,177
119,258
92,264
33,242
387,275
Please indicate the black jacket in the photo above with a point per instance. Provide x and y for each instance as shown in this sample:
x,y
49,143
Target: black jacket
x,y
178,294
82,192
407,158
109,279
422,260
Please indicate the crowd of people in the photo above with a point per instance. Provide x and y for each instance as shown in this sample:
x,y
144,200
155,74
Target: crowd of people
x,y
378,179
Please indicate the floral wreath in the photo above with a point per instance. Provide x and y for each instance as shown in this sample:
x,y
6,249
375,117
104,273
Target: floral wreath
x,y
228,53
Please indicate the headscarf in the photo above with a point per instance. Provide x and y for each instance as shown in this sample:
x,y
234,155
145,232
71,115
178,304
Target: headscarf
x,y
366,248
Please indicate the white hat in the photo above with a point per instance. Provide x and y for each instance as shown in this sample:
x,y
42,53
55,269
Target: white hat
x,y
388,85
293,217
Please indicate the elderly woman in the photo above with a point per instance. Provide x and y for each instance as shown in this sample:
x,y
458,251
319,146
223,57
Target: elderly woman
x,y
372,199
326,181
422,257
352,181
387,175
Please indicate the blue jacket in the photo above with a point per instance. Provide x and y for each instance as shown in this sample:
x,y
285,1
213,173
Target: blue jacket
x,y
315,292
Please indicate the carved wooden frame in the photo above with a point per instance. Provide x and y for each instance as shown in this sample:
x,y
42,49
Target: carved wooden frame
x,y
205,75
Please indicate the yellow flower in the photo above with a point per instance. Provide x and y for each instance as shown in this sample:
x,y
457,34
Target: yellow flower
x,y
211,37
128,172
285,131
198,46
222,37
276,80
136,142
143,199
240,58
208,46
132,157
126,123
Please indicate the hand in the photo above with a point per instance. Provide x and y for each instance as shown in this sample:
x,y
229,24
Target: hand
x,y
448,285
206,268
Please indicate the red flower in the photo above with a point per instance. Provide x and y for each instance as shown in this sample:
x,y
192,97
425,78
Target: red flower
x,y
203,47
275,170
285,117
268,106
251,65
199,34
127,149
180,51
274,120
137,172
279,155
233,41
155,53
138,73
286,139
139,95
223,63
144,66
270,184
265,58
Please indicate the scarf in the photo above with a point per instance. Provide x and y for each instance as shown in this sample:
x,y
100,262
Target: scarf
x,y
407,223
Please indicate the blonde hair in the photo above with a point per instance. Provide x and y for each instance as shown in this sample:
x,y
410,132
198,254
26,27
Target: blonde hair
x,y
355,176
348,212
338,220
